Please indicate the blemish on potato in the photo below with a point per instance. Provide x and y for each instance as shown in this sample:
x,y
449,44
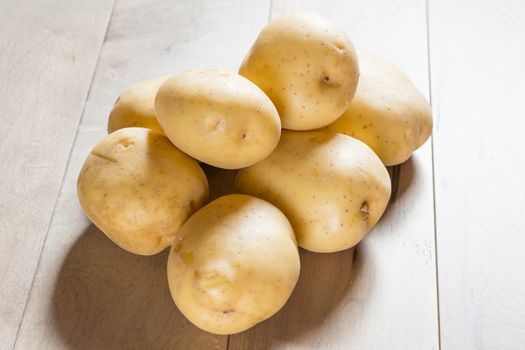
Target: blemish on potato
x,y
177,248
364,210
103,156
188,258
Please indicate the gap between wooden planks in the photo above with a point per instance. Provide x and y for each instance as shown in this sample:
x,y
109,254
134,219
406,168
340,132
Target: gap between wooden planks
x,y
47,63
478,82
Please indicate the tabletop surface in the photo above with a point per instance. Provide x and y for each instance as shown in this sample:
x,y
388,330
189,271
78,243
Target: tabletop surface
x,y
444,268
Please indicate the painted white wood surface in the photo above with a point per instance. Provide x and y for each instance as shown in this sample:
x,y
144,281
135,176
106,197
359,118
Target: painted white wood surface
x,y
89,294
478,88
388,299
47,61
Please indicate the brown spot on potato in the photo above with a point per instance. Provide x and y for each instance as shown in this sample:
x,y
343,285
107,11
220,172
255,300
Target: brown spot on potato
x,y
125,142
364,210
188,258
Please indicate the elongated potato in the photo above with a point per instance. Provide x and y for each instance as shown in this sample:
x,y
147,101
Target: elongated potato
x,y
138,189
218,117
387,113
135,107
332,187
235,264
308,67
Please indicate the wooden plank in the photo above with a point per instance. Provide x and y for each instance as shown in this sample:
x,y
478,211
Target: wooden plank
x,y
46,65
478,83
388,299
88,294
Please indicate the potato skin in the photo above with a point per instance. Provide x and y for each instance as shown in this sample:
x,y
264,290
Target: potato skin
x,y
387,113
218,117
307,66
138,189
135,107
235,264
332,188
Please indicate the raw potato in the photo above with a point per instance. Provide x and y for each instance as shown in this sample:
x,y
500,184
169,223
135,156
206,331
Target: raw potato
x,y
307,66
218,117
138,189
387,113
235,265
332,187
134,108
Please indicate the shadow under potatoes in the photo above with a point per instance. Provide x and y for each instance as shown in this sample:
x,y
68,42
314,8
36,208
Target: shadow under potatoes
x,y
326,282
220,181
107,298
401,177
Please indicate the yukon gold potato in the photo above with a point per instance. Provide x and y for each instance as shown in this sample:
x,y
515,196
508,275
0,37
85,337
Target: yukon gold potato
x,y
138,189
134,108
332,187
307,66
234,265
218,117
387,113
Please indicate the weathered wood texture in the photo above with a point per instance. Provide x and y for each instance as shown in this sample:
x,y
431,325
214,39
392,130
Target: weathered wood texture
x,y
477,57
388,299
46,65
88,293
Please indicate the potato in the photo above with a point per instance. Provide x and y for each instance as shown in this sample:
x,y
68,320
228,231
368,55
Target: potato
x,y
235,264
218,117
308,67
332,187
134,108
138,189
387,113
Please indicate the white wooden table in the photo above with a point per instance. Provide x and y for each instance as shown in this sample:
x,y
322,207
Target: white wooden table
x,y
445,268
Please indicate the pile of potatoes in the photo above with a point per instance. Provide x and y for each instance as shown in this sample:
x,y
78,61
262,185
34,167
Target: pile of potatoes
x,y
307,127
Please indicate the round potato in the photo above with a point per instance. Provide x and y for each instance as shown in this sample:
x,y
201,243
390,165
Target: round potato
x,y
138,189
307,66
135,107
235,264
218,117
332,188
387,113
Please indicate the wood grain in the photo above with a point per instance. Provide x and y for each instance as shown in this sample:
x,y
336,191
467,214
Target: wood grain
x,y
88,294
478,84
46,66
383,295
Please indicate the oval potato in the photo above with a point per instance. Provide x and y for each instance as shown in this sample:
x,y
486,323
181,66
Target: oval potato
x,y
307,66
135,107
387,113
235,264
218,117
332,188
138,189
